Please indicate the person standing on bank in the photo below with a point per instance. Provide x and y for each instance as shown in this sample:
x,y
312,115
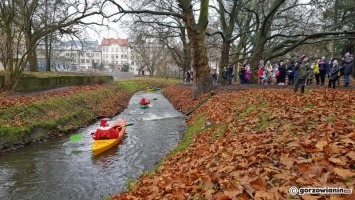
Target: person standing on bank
x,y
230,74
333,74
282,75
348,67
303,71
323,69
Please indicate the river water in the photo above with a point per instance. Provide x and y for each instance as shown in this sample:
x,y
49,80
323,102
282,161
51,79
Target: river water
x,y
62,169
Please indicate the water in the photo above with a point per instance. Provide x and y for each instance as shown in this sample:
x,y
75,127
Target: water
x,y
61,169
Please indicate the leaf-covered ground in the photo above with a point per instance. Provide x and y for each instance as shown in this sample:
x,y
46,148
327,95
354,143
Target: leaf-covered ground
x,y
261,142
7,101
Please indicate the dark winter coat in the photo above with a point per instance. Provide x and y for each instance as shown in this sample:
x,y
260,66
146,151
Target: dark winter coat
x,y
348,64
323,65
333,73
291,69
282,70
303,70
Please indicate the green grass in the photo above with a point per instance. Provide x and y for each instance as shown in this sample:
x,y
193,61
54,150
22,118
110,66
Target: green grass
x,y
251,108
309,105
248,110
264,120
330,119
220,131
129,85
129,183
106,197
189,134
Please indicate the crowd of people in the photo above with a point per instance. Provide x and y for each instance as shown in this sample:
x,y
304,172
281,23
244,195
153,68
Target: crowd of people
x,y
297,72
301,72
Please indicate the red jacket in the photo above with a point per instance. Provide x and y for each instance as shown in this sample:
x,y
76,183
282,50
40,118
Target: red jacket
x,y
144,102
105,133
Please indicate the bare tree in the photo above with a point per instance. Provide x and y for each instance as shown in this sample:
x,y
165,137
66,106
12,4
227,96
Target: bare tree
x,y
195,31
149,53
24,26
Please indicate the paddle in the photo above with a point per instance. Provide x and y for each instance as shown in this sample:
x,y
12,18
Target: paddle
x,y
118,126
76,137
124,125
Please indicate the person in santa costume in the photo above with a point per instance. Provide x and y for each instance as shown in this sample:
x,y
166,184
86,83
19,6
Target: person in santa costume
x,y
144,102
107,132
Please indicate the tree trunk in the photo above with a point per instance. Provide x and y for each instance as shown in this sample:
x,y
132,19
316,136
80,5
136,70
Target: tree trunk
x,y
224,61
254,64
186,59
32,59
202,81
11,79
48,49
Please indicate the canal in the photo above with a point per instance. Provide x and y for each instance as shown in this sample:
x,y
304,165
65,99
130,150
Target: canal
x,y
62,169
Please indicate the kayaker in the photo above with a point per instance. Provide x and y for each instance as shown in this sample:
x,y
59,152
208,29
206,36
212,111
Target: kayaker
x,y
106,132
144,102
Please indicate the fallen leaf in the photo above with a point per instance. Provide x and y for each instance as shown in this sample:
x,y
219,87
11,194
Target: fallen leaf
x,y
351,155
321,144
344,173
223,197
310,197
337,161
258,184
287,161
263,195
336,197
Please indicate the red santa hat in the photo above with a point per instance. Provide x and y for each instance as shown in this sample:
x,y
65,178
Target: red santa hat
x,y
103,123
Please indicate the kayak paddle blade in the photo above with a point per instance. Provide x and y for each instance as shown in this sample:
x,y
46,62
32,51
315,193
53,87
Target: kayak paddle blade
x,y
76,137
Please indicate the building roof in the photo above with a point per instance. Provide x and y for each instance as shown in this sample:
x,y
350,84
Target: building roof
x,y
110,41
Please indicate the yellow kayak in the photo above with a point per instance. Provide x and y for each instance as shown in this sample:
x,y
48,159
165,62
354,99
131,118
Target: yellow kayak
x,y
100,146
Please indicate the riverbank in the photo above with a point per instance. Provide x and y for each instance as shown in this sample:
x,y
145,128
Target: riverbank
x,y
255,144
28,118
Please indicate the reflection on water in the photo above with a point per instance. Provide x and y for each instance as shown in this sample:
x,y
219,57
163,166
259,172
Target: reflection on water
x,y
61,169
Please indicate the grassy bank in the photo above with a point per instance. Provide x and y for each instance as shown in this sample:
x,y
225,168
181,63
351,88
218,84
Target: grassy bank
x,y
259,144
28,119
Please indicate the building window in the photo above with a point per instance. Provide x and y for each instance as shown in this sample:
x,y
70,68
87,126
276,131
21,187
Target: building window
x,y
82,60
122,56
87,61
112,49
116,55
125,56
116,49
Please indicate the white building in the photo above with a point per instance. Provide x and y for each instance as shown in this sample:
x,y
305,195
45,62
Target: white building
x,y
71,56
